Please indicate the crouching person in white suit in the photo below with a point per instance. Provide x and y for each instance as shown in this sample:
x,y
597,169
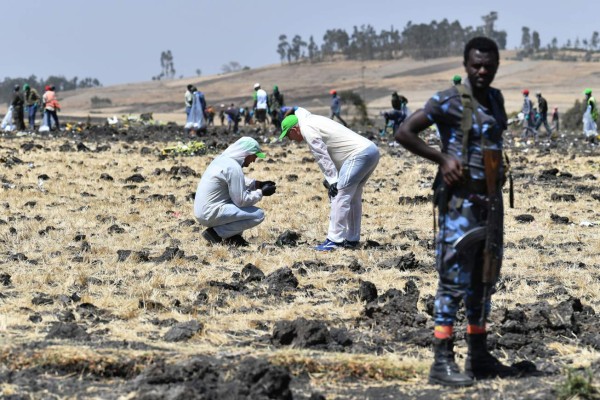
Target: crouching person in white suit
x,y
225,198
347,160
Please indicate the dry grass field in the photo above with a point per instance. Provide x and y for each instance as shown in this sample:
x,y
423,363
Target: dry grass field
x,y
109,291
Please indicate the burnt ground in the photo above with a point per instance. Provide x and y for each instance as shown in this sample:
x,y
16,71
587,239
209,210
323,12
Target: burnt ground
x,y
93,316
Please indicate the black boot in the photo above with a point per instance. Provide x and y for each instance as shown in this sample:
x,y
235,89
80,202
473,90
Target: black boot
x,y
211,236
236,240
444,370
480,364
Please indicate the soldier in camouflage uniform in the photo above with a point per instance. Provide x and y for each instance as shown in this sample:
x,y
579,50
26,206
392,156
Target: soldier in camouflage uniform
x,y
463,208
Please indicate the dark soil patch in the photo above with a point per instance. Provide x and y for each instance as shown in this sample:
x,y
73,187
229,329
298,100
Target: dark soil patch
x,y
302,333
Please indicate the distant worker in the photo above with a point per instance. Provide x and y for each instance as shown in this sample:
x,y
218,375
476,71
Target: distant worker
x,y
555,121
233,115
32,102
189,99
528,116
398,113
276,102
456,80
196,122
210,116
225,198
543,112
336,107
261,106
17,104
347,160
51,107
247,116
590,117
222,114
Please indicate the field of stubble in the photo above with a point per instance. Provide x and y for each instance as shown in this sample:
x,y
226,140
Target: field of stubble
x,y
109,291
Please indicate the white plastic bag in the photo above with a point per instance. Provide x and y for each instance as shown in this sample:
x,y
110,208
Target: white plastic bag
x,y
45,127
7,124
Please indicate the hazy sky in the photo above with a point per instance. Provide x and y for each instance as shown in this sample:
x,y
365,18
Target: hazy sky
x,y
120,41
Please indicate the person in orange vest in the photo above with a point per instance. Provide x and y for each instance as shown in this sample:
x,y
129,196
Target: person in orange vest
x,y
51,106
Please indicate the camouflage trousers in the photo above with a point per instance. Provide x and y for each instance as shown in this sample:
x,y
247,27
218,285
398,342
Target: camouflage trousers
x,y
460,272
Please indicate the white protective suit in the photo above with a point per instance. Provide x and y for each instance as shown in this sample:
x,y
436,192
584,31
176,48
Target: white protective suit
x,y
346,158
225,198
589,126
195,119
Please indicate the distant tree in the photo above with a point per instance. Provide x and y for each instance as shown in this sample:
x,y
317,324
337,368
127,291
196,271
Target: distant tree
x,y
488,23
313,50
296,47
595,41
525,39
198,72
576,44
568,44
335,41
283,47
167,66
554,43
232,66
535,41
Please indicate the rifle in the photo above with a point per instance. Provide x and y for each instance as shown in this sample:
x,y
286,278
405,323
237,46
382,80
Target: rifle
x,y
492,160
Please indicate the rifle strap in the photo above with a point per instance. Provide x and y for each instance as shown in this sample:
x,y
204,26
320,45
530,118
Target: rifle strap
x,y
469,105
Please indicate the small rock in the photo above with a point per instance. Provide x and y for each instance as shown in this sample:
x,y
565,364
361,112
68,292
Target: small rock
x,y
5,279
183,331
115,229
557,219
82,147
42,299
562,197
136,178
251,273
35,318
67,330
367,291
288,238
525,218
281,280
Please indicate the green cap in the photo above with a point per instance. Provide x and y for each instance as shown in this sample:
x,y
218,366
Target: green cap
x,y
26,86
288,122
260,154
275,87
587,91
456,79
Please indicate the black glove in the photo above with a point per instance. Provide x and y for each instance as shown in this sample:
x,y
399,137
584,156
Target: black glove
x,y
261,184
268,189
326,184
332,191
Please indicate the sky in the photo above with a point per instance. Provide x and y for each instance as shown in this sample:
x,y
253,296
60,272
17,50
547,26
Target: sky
x,y
120,41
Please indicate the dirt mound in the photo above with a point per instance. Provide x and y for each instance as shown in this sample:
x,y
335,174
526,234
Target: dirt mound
x,y
204,378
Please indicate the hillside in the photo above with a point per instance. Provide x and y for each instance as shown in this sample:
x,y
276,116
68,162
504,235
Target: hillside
x,y
309,84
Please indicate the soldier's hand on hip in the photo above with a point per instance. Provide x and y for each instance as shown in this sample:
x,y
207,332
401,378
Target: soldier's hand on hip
x,y
451,170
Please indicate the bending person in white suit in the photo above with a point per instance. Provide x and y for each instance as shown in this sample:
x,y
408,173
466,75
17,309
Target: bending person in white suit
x,y
225,198
347,160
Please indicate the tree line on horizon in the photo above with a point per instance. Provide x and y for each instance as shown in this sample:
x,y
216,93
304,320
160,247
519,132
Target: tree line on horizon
x,y
58,81
419,41
427,41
